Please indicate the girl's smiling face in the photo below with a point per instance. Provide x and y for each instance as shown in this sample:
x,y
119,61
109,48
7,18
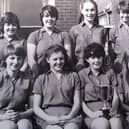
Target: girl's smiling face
x,y
124,16
95,63
56,61
48,20
88,11
10,29
14,63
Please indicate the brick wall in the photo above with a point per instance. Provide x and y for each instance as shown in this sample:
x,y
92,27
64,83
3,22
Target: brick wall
x,y
68,13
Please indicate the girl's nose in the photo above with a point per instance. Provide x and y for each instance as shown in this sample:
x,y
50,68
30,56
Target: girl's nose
x,y
15,60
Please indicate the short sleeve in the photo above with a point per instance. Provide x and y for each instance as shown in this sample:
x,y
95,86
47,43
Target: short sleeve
x,y
38,85
77,82
32,39
83,83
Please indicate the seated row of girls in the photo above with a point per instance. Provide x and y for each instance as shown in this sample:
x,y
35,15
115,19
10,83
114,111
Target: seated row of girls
x,y
58,92
57,97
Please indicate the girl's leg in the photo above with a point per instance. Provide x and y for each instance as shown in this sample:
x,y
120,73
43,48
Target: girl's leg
x,y
100,123
116,123
24,124
54,127
71,126
7,124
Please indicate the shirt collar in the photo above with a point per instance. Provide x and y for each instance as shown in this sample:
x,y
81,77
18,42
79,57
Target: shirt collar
x,y
84,24
89,72
6,75
54,30
16,37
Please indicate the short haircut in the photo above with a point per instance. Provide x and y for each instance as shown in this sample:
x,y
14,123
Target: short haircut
x,y
11,18
12,50
123,6
51,10
55,49
94,50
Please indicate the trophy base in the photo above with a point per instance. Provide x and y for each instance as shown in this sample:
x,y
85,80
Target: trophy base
x,y
106,112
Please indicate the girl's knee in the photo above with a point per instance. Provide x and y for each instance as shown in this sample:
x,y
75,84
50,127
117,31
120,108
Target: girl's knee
x,y
100,123
116,123
8,125
24,124
71,126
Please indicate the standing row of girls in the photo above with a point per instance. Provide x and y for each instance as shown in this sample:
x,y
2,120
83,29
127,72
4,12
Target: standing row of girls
x,y
61,95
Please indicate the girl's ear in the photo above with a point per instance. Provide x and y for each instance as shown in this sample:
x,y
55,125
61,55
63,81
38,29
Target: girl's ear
x,y
87,60
81,11
47,60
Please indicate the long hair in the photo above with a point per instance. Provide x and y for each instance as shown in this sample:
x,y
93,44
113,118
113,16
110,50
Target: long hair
x,y
96,21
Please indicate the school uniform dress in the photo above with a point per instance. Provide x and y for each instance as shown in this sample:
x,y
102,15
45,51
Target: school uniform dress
x,y
92,94
14,94
57,95
42,40
81,36
16,41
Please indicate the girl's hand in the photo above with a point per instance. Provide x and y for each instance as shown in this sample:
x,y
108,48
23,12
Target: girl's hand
x,y
96,114
52,120
10,115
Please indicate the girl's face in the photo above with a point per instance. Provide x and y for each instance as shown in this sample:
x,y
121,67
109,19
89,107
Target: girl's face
x,y
14,63
10,29
95,63
48,20
88,11
56,61
124,17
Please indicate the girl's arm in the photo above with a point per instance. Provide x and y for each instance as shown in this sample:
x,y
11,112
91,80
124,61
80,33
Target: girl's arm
x,y
29,111
40,113
75,108
89,112
115,101
31,50
31,53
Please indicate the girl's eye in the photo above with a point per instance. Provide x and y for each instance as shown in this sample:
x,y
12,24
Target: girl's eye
x,y
55,59
12,58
